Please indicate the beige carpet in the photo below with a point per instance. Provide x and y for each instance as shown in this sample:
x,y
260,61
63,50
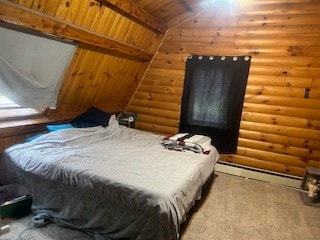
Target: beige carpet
x,y
234,209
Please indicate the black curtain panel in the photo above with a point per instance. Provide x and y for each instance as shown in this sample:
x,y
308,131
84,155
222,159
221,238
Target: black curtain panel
x,y
212,99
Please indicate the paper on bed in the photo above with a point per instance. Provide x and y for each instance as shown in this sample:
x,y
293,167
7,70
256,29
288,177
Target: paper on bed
x,y
203,141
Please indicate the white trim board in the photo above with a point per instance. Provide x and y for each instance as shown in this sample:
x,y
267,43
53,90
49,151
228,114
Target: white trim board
x,y
252,173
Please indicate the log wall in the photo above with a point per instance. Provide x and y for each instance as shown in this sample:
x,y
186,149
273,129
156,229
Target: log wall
x,y
280,126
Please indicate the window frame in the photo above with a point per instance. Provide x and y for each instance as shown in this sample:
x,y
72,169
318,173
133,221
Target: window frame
x,y
221,107
10,111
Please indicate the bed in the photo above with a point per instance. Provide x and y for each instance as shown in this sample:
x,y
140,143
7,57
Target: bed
x,y
112,182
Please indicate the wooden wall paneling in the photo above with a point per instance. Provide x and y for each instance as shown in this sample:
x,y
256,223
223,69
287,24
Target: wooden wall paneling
x,y
221,17
161,89
163,81
105,78
2,145
51,8
266,165
24,2
66,97
305,156
119,79
281,120
125,77
299,93
38,5
156,104
104,91
155,128
158,97
283,9
297,61
93,21
16,134
271,20
274,157
280,128
87,81
164,121
81,14
275,108
284,81
280,139
72,8
63,9
132,86
8,141
155,112
246,31
285,71
273,2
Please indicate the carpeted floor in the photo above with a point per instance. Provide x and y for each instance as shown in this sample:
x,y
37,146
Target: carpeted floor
x,y
234,208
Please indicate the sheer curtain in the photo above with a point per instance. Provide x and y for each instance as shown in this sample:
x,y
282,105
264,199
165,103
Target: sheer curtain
x,y
212,99
32,67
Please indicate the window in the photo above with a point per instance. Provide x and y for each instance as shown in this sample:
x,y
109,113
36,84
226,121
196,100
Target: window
x,y
212,99
12,111
32,66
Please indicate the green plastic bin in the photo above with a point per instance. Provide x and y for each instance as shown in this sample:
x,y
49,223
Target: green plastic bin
x,y
15,201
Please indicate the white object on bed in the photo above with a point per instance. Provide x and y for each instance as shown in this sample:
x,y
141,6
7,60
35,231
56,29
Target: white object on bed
x,y
203,141
124,165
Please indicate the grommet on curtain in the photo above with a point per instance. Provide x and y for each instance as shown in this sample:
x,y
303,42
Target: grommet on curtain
x,y
223,58
246,58
235,58
211,58
190,56
200,57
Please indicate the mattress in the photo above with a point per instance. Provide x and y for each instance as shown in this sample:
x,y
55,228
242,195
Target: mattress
x,y
116,182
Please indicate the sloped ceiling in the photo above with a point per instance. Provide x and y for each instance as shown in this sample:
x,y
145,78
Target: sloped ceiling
x,y
173,12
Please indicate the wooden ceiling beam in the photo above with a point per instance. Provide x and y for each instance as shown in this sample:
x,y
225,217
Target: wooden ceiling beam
x,y
197,6
128,9
28,18
187,5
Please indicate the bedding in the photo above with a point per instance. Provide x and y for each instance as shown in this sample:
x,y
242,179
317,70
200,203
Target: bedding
x,y
113,183
91,118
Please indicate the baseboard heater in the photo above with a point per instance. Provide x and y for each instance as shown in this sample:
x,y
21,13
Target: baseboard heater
x,y
258,174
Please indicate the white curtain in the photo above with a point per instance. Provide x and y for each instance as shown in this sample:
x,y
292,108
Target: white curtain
x,y
32,67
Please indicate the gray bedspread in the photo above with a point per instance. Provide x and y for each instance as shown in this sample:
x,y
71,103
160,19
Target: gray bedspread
x,y
115,182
